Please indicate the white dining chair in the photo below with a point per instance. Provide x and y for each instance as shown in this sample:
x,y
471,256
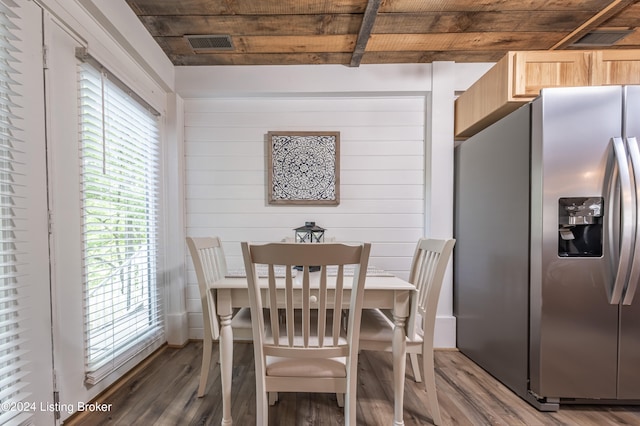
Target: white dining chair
x,y
210,265
376,332
305,348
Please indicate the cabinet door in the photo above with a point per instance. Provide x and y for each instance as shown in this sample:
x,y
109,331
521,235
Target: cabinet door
x,y
616,67
535,70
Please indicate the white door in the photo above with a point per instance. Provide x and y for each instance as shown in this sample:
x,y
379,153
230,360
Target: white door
x,y
118,284
26,393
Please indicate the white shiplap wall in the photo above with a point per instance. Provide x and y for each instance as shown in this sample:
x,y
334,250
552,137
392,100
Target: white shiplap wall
x,y
382,193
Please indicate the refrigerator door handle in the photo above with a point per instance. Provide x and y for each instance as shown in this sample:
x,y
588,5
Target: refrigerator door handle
x,y
634,275
628,221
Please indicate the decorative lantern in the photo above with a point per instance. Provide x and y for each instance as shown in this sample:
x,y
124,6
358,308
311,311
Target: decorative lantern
x,y
309,233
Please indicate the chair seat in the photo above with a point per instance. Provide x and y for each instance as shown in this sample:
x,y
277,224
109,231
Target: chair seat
x,y
306,367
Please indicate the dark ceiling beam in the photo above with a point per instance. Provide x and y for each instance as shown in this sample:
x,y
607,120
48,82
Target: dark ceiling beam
x,y
368,20
611,10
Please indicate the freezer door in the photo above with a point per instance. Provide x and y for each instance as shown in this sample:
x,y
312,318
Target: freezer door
x,y
629,370
574,328
491,262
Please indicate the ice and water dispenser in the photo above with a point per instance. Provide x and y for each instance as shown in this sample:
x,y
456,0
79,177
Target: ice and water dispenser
x,y
580,226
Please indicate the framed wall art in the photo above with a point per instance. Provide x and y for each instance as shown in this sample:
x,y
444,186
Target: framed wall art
x,y
303,168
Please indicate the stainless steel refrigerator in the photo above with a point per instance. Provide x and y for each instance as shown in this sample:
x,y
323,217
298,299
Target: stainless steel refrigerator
x,y
547,258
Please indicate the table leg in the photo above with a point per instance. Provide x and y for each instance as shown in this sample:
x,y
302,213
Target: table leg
x,y
399,347
226,367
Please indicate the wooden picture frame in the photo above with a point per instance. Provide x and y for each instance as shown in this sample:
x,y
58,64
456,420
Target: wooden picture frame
x,y
303,168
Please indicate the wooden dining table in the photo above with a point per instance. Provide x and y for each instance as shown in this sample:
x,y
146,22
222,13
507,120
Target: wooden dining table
x,y
382,290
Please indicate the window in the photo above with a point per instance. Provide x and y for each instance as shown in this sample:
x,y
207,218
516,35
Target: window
x,y
14,367
120,202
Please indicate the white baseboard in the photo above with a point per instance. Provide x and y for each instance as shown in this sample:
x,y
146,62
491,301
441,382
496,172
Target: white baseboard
x,y
445,332
177,329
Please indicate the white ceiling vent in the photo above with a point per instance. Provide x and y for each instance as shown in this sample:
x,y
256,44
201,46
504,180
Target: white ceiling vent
x,y
210,43
602,38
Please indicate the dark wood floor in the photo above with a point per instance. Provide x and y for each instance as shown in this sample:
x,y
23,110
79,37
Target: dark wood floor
x,y
163,393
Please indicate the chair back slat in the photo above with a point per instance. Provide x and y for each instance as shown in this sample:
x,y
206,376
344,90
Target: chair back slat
x,y
320,301
289,311
424,280
427,274
273,306
337,301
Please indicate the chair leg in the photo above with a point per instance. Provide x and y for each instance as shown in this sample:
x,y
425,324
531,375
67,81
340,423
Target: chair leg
x,y
415,366
350,409
273,398
206,364
262,409
430,385
340,398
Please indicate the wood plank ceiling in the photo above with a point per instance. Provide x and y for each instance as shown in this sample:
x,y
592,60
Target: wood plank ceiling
x,y
354,32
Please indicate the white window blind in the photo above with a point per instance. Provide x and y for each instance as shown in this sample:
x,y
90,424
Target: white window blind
x,y
120,191
14,367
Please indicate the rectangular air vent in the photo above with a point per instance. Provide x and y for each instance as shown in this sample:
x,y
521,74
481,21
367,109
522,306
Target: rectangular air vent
x,y
210,43
602,38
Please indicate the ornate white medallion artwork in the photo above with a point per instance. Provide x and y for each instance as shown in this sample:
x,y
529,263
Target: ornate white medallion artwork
x,y
303,167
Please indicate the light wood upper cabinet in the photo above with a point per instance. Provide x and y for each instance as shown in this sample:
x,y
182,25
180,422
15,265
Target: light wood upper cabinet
x,y
533,71
616,67
518,78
